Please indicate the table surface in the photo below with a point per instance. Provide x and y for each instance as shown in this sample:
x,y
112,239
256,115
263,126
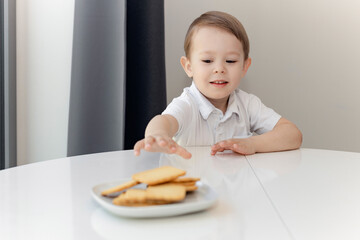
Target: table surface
x,y
301,194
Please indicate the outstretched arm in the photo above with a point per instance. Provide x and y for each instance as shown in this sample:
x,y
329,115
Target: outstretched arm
x,y
284,136
158,137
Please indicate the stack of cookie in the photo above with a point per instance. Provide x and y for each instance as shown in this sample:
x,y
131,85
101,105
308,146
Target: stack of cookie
x,y
164,185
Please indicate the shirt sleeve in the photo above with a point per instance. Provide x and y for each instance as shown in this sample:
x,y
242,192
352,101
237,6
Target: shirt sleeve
x,y
262,118
180,109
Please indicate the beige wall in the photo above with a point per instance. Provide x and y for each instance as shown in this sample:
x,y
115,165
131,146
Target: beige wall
x,y
306,56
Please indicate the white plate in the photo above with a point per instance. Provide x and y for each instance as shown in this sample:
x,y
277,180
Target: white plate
x,y
201,199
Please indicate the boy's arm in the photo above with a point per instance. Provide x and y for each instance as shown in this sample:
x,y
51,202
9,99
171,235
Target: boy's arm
x,y
158,137
284,136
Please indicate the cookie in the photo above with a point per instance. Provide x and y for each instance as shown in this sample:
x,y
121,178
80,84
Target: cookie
x,y
186,179
145,204
184,183
191,188
166,192
154,195
164,186
131,196
158,175
119,188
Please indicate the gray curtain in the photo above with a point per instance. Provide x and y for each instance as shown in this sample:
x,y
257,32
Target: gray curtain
x,y
2,91
118,73
7,84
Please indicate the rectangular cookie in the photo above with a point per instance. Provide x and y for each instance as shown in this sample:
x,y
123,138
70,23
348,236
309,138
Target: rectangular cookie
x,y
119,188
158,175
166,192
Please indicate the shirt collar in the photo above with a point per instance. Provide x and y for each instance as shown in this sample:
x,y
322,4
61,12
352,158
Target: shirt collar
x,y
206,107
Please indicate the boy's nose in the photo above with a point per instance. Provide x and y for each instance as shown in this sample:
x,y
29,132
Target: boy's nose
x,y
219,69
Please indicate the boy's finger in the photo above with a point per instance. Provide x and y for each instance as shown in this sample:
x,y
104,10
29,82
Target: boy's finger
x,y
161,141
148,142
219,149
215,147
173,148
225,144
138,146
183,152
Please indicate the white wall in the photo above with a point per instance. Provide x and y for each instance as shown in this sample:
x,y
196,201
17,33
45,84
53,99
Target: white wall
x,y
305,61
44,48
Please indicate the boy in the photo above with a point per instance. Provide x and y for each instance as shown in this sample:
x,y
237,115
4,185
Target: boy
x,y
213,111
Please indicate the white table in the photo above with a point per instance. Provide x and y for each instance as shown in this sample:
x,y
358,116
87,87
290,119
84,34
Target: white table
x,y
301,194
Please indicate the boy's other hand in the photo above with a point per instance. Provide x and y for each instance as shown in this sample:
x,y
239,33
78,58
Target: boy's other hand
x,y
243,146
160,144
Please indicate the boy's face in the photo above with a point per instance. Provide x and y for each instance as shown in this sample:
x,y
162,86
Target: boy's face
x,y
216,63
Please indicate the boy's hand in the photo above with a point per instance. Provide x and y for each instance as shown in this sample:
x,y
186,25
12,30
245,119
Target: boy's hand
x,y
243,146
157,143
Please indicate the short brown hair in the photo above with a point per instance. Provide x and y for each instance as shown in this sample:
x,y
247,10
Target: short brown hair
x,y
223,21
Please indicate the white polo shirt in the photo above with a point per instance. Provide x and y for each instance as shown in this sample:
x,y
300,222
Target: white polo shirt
x,y
201,124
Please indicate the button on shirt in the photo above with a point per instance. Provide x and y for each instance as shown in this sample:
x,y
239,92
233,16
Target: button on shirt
x,y
201,124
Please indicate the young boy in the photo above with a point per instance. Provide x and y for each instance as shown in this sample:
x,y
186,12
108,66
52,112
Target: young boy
x,y
213,111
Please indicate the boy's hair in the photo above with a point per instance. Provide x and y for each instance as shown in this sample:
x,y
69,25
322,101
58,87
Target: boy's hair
x,y
220,20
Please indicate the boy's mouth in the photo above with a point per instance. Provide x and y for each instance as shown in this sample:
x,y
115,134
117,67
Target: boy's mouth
x,y
219,83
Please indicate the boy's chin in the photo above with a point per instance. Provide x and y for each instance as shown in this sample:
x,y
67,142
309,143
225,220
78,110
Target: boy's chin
x,y
218,97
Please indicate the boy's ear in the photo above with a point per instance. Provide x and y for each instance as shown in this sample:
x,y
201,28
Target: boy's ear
x,y
185,63
247,64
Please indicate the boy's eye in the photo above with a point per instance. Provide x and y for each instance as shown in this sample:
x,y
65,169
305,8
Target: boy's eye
x,y
206,61
230,61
